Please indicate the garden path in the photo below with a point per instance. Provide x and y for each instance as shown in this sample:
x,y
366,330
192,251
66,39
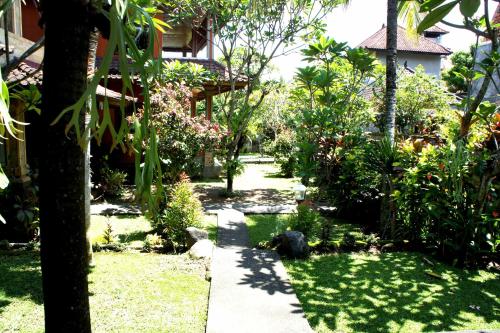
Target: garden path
x,y
250,289
258,190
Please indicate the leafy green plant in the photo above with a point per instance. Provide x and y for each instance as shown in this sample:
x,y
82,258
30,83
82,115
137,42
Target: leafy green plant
x,y
306,220
183,210
108,234
21,213
151,241
420,99
283,148
112,182
348,242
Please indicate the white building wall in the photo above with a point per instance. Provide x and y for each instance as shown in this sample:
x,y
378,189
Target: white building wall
x,y
491,93
431,63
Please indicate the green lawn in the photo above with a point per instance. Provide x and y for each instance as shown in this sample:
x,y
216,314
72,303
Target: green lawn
x,y
132,230
361,292
129,293
210,225
127,229
263,227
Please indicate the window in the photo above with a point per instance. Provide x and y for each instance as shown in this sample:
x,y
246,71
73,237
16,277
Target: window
x,y
14,21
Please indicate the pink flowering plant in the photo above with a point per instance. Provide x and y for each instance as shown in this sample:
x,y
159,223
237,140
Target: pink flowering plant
x,y
181,138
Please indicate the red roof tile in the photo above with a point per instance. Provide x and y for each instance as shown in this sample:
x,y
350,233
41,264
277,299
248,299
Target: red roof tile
x,y
406,43
25,75
210,65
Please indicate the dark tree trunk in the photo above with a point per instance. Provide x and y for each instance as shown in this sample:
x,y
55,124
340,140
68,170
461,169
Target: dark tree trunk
x,y
391,68
62,170
231,171
230,178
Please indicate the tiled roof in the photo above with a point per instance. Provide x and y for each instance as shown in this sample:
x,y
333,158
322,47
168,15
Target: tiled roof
x,y
210,65
25,75
111,94
406,43
437,29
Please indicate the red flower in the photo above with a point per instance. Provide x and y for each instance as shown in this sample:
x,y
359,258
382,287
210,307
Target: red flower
x,y
495,214
429,176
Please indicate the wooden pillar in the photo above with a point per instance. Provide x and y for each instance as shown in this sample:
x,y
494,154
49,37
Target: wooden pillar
x,y
210,39
193,106
209,106
194,44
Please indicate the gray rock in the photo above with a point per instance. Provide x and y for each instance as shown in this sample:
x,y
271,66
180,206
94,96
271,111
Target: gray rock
x,y
202,249
194,234
291,244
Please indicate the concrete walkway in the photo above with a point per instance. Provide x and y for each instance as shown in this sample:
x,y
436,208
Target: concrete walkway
x,y
250,290
249,208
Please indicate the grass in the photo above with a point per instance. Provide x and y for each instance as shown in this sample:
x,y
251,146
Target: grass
x,y
132,229
264,227
210,225
390,292
127,229
129,293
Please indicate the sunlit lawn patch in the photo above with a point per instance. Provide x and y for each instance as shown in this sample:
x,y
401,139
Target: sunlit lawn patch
x,y
129,293
360,292
262,227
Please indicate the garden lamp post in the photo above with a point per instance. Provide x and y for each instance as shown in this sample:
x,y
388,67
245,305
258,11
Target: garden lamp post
x,y
300,193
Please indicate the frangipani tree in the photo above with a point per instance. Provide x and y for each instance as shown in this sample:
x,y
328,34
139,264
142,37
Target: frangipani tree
x,y
250,34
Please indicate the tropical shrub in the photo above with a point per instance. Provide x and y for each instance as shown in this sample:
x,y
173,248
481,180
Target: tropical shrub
x,y
182,210
112,182
180,137
437,203
283,149
306,220
21,213
456,76
348,242
420,99
333,112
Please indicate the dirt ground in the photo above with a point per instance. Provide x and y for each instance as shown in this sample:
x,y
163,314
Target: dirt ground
x,y
260,184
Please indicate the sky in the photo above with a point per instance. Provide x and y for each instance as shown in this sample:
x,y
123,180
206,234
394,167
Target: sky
x,y
362,19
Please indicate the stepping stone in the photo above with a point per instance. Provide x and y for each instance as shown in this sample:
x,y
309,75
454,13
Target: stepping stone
x,y
250,290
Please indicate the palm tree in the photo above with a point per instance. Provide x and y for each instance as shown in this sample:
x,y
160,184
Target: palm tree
x,y
391,68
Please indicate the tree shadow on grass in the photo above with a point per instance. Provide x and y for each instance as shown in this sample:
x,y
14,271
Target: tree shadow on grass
x,y
391,292
20,277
